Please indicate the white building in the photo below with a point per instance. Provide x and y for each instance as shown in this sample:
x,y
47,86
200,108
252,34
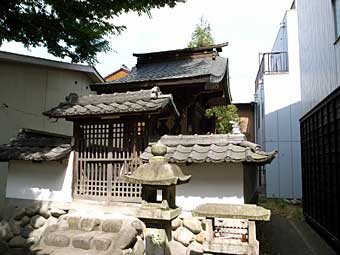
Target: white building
x,y
319,43
279,108
319,37
31,85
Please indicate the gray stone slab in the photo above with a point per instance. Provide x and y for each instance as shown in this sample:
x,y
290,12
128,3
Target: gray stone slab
x,y
250,212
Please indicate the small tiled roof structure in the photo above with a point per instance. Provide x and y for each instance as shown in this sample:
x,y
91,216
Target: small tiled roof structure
x,y
35,145
143,101
215,148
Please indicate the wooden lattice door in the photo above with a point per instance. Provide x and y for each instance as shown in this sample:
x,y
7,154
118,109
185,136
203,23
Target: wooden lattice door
x,y
105,152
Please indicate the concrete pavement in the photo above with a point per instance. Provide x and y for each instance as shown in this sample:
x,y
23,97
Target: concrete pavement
x,y
292,237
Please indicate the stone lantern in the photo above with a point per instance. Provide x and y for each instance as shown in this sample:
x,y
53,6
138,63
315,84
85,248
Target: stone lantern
x,y
158,177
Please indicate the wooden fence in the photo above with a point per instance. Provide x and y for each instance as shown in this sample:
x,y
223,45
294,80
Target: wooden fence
x,y
105,152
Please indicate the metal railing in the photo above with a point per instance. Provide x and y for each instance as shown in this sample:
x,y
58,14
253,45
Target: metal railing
x,y
272,63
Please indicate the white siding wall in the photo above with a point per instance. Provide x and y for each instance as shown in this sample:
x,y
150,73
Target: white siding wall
x,y
282,104
29,90
319,57
211,183
46,181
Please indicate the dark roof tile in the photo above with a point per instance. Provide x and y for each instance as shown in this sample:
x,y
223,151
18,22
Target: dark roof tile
x,y
212,148
36,146
128,102
214,68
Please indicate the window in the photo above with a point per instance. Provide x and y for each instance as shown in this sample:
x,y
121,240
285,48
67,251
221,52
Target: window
x,y
336,7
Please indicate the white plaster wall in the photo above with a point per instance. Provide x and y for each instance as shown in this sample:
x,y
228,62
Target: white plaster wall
x,y
46,181
319,56
211,183
282,100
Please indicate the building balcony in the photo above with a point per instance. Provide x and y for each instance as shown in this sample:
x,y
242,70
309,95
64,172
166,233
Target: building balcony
x,y
272,63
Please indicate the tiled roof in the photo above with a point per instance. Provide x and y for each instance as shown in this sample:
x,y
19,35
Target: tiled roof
x,y
128,102
214,148
214,68
36,146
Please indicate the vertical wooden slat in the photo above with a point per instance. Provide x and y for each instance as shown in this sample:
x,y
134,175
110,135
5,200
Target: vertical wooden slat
x,y
75,160
109,167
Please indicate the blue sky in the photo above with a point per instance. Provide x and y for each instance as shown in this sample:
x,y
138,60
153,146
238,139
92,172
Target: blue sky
x,y
249,26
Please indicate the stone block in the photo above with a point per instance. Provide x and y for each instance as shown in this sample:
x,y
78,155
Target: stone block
x,y
5,231
55,212
73,222
194,248
31,211
156,242
26,231
176,248
126,238
193,225
89,224
200,237
184,236
24,221
112,225
18,213
71,251
139,248
57,239
176,223
15,227
63,222
42,251
17,242
37,221
128,252
31,241
102,242
139,226
43,211
83,241
51,221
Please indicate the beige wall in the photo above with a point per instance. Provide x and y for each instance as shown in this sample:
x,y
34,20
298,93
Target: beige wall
x,y
211,183
28,90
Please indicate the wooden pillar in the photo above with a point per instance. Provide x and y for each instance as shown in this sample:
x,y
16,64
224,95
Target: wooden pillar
x,y
76,138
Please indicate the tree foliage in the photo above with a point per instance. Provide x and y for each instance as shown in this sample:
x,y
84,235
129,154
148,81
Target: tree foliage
x,y
201,35
74,28
225,116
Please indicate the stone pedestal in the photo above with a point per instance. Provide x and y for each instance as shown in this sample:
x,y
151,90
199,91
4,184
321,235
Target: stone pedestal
x,y
158,175
156,242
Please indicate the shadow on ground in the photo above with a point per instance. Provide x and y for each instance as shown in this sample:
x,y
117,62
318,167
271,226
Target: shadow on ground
x,y
287,233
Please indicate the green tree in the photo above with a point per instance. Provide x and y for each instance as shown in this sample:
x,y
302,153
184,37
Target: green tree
x,y
74,28
201,35
225,116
